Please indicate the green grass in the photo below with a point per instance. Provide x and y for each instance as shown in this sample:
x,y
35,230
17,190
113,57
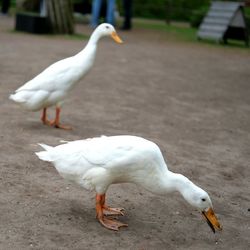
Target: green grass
x,y
183,33
174,31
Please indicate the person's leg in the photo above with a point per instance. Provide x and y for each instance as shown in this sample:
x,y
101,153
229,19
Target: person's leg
x,y
5,6
127,6
110,18
96,7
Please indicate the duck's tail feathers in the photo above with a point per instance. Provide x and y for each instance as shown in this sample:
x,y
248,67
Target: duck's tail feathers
x,y
17,98
45,155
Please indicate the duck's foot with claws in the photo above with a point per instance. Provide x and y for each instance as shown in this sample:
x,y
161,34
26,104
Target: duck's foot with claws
x,y
58,125
111,211
104,212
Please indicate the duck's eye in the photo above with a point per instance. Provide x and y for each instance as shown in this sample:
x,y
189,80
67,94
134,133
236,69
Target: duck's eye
x,y
203,199
107,27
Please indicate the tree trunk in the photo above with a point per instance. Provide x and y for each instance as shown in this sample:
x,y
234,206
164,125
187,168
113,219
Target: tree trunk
x,y
60,14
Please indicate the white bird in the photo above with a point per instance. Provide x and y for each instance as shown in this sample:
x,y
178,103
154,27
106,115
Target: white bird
x,y
51,86
96,163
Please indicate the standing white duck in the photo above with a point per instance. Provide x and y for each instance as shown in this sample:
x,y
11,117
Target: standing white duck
x,y
50,87
97,163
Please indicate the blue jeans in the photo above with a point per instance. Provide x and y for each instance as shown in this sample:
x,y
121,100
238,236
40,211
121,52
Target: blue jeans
x,y
96,8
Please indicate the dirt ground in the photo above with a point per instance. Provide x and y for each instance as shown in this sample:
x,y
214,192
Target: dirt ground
x,y
193,100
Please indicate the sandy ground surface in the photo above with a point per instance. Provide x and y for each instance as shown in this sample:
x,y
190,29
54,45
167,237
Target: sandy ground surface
x,y
193,100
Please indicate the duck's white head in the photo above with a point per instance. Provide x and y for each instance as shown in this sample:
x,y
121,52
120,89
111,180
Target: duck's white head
x,y
200,199
106,29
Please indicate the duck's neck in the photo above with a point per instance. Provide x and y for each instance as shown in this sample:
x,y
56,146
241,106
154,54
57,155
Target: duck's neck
x,y
170,182
93,40
91,47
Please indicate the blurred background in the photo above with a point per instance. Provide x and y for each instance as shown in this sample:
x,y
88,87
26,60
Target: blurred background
x,y
183,17
189,95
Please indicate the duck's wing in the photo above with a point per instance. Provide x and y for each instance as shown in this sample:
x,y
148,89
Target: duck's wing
x,y
96,151
51,78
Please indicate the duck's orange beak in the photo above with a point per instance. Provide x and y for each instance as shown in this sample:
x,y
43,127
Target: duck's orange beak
x,y
116,37
211,219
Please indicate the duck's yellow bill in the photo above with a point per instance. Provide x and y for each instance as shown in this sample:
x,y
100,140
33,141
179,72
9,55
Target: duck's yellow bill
x,y
212,220
116,37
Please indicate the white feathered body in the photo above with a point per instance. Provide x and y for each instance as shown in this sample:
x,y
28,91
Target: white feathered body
x,y
52,85
98,162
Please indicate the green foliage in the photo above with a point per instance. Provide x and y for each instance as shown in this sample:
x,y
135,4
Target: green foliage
x,y
28,5
247,15
197,16
149,9
167,9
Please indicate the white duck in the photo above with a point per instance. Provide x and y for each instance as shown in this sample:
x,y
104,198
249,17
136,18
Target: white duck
x,y
50,87
97,163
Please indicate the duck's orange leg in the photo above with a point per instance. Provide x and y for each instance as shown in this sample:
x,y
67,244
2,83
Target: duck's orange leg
x,y
109,211
111,224
56,122
44,117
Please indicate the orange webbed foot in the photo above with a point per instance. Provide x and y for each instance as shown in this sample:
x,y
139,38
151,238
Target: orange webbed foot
x,y
103,212
111,224
111,211
54,123
57,125
46,122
